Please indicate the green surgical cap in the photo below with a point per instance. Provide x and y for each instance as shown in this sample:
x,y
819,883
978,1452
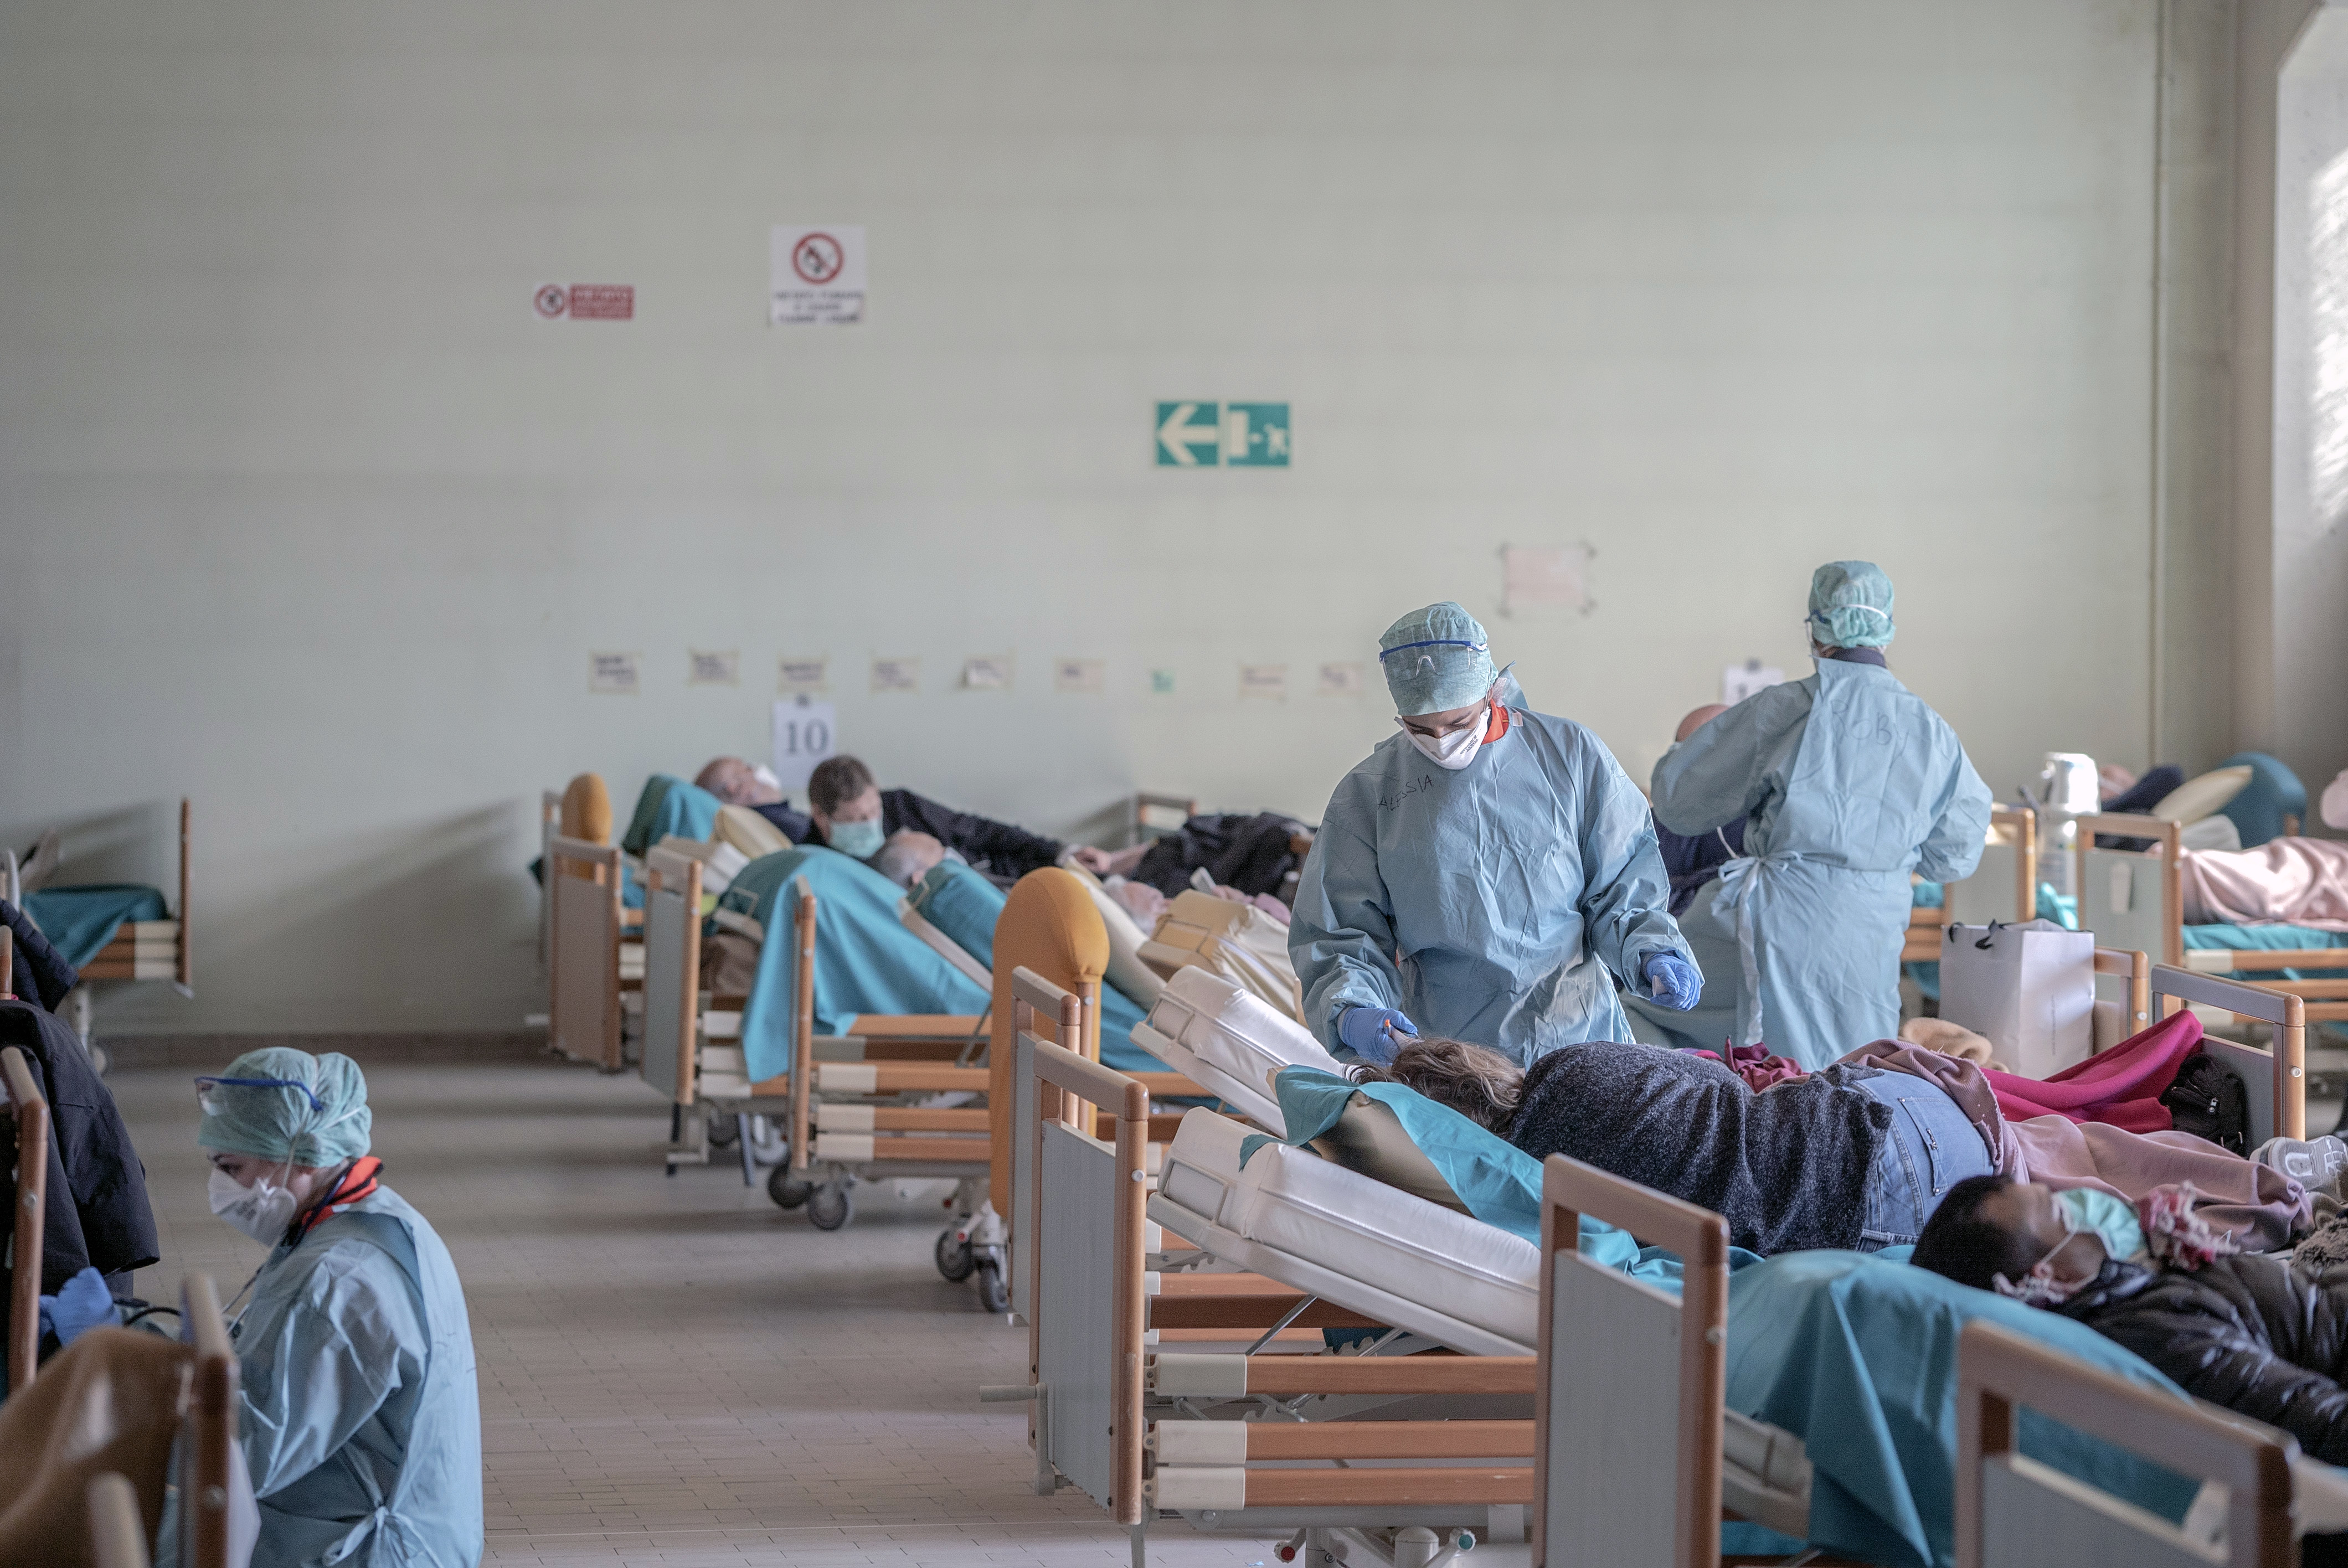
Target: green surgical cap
x,y
281,1124
1850,605
1436,659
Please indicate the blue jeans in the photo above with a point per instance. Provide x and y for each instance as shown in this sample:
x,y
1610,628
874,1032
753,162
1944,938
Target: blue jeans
x,y
1930,1148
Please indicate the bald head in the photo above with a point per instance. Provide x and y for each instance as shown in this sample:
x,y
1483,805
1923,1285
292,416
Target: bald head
x,y
736,782
1699,719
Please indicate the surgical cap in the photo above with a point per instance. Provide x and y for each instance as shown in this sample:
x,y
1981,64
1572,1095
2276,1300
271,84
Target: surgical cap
x,y
1436,659
1850,605
282,1123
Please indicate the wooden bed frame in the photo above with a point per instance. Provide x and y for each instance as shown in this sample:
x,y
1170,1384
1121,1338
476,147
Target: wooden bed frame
x,y
2275,1078
583,934
2014,1510
30,1114
1114,1411
2152,884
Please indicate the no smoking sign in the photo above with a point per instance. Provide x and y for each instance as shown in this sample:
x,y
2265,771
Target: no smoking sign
x,y
817,274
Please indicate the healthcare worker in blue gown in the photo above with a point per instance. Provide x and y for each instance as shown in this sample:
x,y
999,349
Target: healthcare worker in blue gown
x,y
360,1414
1489,874
1847,782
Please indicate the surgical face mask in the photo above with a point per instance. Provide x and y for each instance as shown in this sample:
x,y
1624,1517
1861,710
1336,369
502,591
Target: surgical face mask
x,y
2042,1285
1456,750
261,1210
766,775
857,840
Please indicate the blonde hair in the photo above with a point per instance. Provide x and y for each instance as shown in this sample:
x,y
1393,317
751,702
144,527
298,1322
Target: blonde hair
x,y
1476,1081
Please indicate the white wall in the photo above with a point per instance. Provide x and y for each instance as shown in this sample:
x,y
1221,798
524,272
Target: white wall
x,y
302,514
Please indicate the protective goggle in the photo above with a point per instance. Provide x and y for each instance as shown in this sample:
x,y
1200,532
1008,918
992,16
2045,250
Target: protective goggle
x,y
205,1086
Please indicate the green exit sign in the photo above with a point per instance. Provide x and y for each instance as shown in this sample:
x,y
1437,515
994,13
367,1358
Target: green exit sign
x,y
1200,434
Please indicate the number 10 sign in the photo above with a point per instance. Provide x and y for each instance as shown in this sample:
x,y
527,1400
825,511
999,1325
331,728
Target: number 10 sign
x,y
805,734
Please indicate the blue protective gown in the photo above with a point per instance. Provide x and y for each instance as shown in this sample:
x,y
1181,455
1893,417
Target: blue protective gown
x,y
360,1412
1850,784
1491,903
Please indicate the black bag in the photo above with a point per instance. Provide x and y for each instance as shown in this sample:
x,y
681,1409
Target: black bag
x,y
2208,1099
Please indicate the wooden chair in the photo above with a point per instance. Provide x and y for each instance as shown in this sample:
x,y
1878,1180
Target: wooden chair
x,y
2013,1512
30,1112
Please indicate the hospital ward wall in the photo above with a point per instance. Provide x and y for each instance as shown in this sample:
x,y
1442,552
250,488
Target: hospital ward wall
x,y
304,515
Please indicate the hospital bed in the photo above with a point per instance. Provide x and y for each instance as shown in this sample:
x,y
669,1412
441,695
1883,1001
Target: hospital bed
x,y
2013,1512
1143,1428
692,1040
29,1113
1157,815
2132,897
134,948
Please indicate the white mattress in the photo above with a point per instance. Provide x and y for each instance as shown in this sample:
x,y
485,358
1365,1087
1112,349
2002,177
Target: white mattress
x,y
1373,1249
1226,1038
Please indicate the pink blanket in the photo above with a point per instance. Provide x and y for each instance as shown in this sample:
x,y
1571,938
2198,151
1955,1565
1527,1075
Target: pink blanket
x,y
2121,1086
2259,1204
2286,881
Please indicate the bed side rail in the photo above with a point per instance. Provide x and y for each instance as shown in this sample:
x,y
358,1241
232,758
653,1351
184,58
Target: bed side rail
x,y
207,1449
584,885
672,973
2276,1079
31,1113
1627,1407
1081,1222
1143,828
2132,897
2010,1508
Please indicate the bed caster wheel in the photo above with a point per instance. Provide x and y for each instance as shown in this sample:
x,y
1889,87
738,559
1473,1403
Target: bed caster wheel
x,y
954,1260
768,1144
993,1292
788,1191
723,1132
828,1208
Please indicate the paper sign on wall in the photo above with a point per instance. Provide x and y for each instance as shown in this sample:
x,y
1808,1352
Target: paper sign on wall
x,y
987,673
1343,679
1546,577
816,275
614,674
889,675
799,674
1265,681
805,734
1739,682
1083,675
713,669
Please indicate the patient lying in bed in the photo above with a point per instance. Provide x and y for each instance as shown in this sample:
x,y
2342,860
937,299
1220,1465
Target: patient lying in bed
x,y
1851,1157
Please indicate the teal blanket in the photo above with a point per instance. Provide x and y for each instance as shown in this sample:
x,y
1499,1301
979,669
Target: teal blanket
x,y
1857,1356
866,961
965,905
670,807
78,921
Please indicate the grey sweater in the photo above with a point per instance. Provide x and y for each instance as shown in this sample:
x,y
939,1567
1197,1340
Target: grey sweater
x,y
1788,1168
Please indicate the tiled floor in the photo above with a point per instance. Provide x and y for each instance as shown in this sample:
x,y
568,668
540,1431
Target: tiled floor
x,y
675,1371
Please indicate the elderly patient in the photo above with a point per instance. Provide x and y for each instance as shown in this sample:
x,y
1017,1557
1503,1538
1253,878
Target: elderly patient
x,y
737,783
1850,1157
2248,1331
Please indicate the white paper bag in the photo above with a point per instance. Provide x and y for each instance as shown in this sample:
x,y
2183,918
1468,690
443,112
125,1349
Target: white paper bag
x,y
2030,989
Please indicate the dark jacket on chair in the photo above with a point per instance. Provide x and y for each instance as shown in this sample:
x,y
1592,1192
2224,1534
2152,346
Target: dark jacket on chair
x,y
96,1215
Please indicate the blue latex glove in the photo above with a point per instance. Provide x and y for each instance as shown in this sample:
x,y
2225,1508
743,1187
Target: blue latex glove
x,y
1673,980
1364,1031
85,1303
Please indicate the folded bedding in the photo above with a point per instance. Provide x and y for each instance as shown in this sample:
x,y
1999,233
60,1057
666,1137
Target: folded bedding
x,y
78,921
867,962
